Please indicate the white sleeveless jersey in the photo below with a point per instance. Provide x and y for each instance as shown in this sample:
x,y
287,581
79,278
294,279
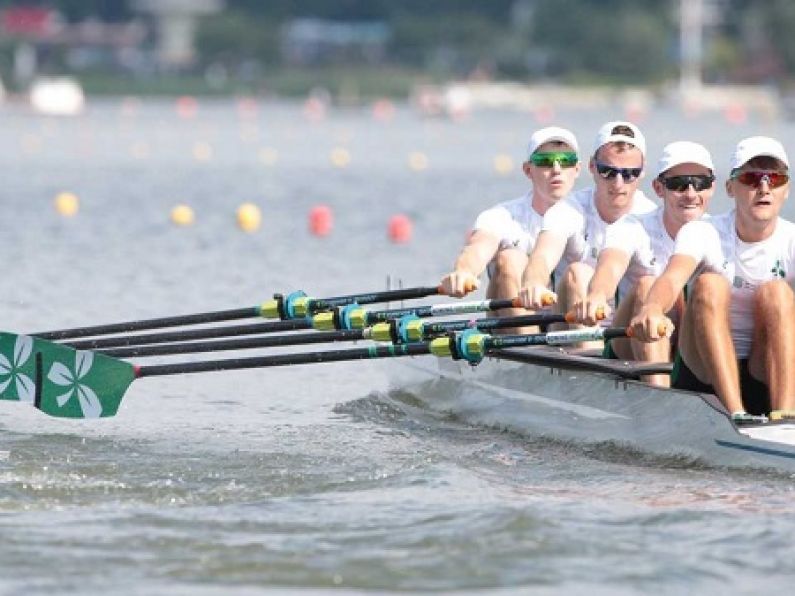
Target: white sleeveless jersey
x,y
646,241
577,219
714,244
514,222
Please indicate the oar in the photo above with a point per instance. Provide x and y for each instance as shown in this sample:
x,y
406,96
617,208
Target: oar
x,y
403,330
293,306
353,316
268,341
69,383
298,304
190,334
344,318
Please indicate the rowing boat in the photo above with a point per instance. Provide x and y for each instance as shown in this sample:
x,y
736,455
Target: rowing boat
x,y
547,392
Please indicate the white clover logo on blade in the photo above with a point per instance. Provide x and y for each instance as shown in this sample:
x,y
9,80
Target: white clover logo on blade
x,y
26,388
61,375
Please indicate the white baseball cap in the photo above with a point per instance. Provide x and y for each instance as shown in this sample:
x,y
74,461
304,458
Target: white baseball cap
x,y
752,147
606,135
680,152
551,133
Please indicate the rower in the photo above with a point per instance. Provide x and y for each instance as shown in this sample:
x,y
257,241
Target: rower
x,y
637,249
737,338
504,234
573,231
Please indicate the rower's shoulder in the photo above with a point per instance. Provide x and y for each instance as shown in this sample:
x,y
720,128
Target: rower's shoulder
x,y
574,202
714,226
507,209
579,199
787,226
511,204
641,204
785,229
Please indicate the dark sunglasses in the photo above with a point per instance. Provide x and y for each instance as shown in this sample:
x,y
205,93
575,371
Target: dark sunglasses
x,y
699,182
755,179
547,159
609,172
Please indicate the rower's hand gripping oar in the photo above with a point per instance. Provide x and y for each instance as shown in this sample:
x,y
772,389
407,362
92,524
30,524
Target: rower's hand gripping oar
x,y
295,306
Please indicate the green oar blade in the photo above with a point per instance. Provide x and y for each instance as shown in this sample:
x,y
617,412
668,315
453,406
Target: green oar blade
x,y
60,380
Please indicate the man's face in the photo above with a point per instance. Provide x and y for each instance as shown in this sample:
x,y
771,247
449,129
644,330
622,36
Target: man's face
x,y
615,184
685,190
759,189
551,172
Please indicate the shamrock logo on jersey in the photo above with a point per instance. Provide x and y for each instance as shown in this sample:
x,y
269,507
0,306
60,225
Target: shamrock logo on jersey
x,y
778,270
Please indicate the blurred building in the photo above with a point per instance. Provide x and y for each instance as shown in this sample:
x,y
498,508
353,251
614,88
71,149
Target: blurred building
x,y
317,41
37,33
176,24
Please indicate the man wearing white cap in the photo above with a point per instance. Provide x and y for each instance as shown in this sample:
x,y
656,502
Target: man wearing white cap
x,y
737,337
504,234
637,249
573,231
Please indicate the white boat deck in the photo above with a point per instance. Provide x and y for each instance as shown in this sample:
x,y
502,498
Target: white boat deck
x,y
597,408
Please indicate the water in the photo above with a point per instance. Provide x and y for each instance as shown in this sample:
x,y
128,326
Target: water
x,y
318,477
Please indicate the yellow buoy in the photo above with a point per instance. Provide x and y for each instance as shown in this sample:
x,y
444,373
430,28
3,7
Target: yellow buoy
x,y
418,161
268,156
139,150
503,164
67,204
249,217
182,215
202,151
340,157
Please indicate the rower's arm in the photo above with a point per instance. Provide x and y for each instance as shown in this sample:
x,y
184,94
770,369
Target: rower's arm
x,y
480,249
473,259
610,268
546,255
666,289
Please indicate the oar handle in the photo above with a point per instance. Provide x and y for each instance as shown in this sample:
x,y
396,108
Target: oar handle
x,y
662,330
571,316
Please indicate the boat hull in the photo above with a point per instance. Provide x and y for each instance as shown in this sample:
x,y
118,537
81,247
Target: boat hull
x,y
596,408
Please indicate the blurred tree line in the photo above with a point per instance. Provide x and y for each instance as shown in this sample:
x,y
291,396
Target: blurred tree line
x,y
614,41
581,41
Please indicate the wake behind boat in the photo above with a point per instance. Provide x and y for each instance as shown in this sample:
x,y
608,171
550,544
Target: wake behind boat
x,y
546,392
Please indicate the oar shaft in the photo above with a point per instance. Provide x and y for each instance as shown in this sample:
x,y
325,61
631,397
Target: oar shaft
x,y
552,338
190,334
493,323
318,304
440,310
372,352
143,325
268,341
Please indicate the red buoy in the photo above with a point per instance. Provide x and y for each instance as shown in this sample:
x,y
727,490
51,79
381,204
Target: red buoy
x,y
187,107
399,229
321,220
